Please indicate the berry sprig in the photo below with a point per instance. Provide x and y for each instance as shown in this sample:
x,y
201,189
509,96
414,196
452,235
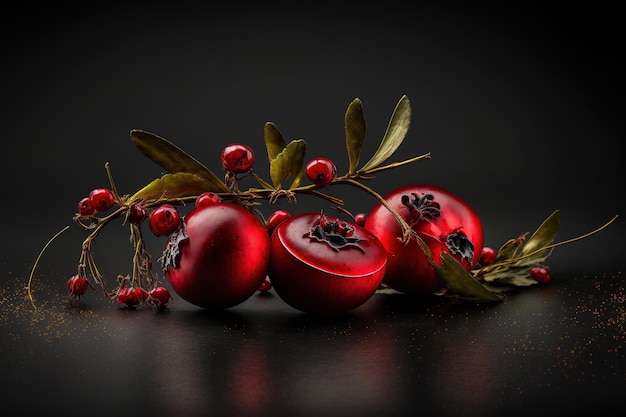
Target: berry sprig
x,y
519,262
187,180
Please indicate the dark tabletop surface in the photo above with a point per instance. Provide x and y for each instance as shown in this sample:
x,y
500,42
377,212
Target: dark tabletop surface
x,y
557,348
521,109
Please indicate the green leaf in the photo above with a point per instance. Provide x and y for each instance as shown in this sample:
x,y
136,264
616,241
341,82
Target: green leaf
x,y
355,133
274,141
544,235
173,159
395,134
289,163
178,185
460,283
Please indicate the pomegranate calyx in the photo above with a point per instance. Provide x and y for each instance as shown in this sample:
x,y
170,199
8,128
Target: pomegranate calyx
x,y
172,248
424,207
336,234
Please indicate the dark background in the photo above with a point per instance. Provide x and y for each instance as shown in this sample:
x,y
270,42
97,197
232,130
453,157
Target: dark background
x,y
520,108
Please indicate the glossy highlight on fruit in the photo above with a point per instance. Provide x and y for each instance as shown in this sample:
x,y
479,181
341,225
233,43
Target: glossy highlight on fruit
x,y
443,220
321,264
219,257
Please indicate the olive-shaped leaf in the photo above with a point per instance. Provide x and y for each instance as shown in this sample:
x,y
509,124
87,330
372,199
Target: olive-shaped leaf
x,y
460,283
355,133
289,163
544,235
395,134
178,185
274,141
173,159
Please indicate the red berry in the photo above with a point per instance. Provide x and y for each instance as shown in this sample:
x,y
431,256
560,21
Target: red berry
x,y
487,256
131,296
540,274
207,198
164,220
77,285
137,213
160,296
360,219
85,208
321,171
275,219
266,285
101,199
237,158
142,294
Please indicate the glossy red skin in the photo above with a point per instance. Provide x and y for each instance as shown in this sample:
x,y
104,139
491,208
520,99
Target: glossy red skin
x,y
85,208
487,256
275,219
238,158
408,269
102,199
160,296
312,277
77,285
225,258
131,296
540,274
321,171
207,198
164,220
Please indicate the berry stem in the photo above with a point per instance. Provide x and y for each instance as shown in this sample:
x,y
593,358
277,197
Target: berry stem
x,y
113,188
407,232
394,165
32,271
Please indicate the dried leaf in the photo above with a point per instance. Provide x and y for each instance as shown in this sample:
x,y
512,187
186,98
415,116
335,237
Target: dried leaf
x,y
173,159
395,134
355,133
289,163
516,276
180,184
511,248
461,284
544,235
274,141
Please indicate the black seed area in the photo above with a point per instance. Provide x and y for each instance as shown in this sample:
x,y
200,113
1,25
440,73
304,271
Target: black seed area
x,y
459,244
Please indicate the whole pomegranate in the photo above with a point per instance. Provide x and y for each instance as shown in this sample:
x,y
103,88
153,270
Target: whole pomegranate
x,y
442,219
321,264
219,257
